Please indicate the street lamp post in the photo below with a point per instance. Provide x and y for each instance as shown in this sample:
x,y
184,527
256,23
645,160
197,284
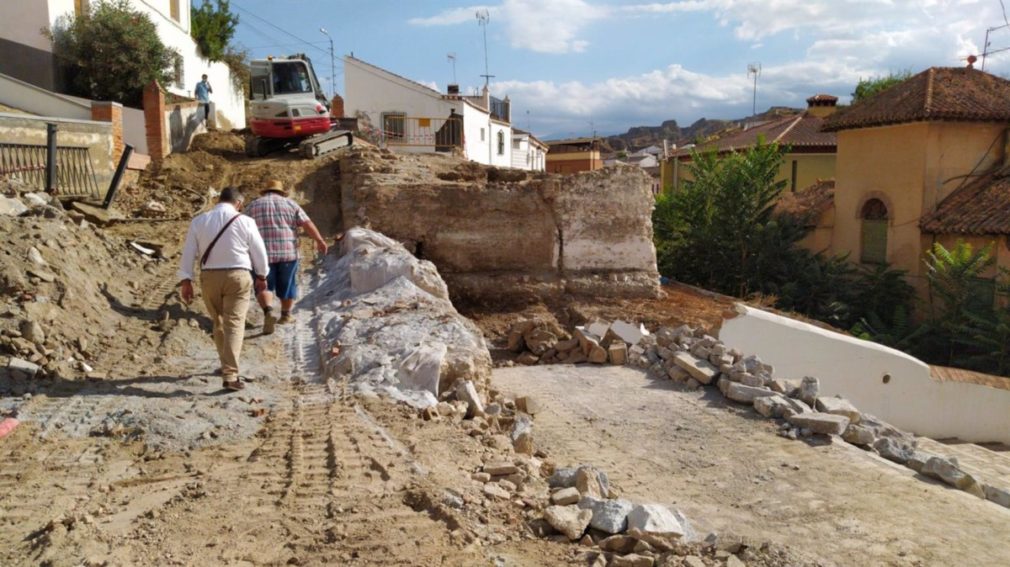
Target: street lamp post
x,y
332,60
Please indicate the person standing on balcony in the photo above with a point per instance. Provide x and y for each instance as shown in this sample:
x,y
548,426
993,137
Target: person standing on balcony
x,y
203,91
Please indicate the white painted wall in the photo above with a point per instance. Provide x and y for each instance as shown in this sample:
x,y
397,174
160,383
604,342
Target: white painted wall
x,y
22,19
503,159
855,369
526,155
476,146
135,129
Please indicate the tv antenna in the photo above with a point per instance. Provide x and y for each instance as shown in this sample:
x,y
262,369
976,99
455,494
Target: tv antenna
x,y
452,61
483,17
754,69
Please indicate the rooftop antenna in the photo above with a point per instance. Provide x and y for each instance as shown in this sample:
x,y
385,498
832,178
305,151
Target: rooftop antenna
x,y
755,70
452,60
528,128
483,17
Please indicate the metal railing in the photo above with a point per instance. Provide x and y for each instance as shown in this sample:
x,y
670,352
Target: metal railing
x,y
75,175
441,134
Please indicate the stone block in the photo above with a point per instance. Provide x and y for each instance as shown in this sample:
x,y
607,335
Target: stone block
x,y
838,406
743,394
627,332
859,435
500,468
810,388
999,495
571,521
467,392
700,370
818,422
655,519
522,435
947,470
566,496
610,516
893,449
20,368
617,353
632,560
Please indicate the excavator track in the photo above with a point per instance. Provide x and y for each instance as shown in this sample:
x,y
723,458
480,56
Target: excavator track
x,y
323,144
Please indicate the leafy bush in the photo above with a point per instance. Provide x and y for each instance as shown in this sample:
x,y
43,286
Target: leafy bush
x,y
869,87
113,50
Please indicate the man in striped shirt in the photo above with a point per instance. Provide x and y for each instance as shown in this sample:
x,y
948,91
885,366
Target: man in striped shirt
x,y
279,219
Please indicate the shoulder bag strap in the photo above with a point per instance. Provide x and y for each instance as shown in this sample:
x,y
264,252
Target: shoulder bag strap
x,y
206,255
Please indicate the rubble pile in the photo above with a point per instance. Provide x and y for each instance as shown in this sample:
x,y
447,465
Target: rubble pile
x,y
539,341
60,278
385,323
693,358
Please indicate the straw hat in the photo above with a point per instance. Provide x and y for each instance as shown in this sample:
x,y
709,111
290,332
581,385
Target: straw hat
x,y
276,186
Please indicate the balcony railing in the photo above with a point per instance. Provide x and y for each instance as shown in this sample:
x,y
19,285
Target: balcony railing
x,y
438,134
27,162
500,109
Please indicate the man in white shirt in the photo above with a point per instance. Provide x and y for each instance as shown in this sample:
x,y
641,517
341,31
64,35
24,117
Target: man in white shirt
x,y
229,246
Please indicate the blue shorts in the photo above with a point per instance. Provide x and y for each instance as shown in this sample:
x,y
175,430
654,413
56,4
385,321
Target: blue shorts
x,y
283,279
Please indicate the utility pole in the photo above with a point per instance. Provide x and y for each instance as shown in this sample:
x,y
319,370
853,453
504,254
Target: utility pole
x,y
755,70
483,17
333,65
452,59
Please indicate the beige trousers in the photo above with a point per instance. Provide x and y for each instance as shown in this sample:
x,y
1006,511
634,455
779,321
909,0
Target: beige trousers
x,y
227,293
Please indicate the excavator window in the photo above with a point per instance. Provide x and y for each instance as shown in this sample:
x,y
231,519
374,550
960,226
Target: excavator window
x,y
291,78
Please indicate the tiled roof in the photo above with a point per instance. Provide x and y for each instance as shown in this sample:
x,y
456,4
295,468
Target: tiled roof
x,y
799,130
978,208
808,203
822,98
938,93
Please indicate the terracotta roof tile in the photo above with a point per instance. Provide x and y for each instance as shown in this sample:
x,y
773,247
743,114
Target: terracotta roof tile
x,y
808,203
978,208
938,93
798,130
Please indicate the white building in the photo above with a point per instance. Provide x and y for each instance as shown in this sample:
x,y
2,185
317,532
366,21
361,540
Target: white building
x,y
408,116
528,152
26,54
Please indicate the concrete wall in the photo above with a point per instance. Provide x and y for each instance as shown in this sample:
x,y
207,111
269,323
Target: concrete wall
x,y
30,98
96,136
878,380
499,234
183,120
134,130
476,134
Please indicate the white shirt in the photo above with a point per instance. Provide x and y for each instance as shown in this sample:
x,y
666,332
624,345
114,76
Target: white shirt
x,y
240,247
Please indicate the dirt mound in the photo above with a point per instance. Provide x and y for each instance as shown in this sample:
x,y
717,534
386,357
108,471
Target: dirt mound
x,y
63,283
220,142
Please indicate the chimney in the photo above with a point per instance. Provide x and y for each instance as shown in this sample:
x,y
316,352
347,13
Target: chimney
x,y
822,105
453,89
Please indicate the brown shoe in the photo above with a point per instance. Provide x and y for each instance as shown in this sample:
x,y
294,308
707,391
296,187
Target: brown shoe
x,y
233,385
269,321
285,319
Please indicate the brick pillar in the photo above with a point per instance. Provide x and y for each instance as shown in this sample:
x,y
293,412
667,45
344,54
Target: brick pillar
x,y
102,111
154,123
337,106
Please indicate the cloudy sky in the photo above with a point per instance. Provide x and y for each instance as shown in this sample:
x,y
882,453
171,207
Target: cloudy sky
x,y
579,65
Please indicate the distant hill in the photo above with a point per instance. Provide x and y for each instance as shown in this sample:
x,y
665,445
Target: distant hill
x,y
640,137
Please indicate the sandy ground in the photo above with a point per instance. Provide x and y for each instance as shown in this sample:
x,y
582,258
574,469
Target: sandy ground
x,y
725,468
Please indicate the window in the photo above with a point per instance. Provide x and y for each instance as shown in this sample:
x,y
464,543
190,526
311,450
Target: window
x,y
179,72
393,127
291,78
501,143
481,134
173,8
515,144
874,232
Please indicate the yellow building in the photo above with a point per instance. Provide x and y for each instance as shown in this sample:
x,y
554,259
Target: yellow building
x,y
574,155
811,154
922,161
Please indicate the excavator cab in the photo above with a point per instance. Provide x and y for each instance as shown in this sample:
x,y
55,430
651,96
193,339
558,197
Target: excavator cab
x,y
288,107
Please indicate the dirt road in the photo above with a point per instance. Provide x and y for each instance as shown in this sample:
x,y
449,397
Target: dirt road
x,y
725,468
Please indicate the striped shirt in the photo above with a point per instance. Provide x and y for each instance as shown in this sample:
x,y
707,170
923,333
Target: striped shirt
x,y
278,219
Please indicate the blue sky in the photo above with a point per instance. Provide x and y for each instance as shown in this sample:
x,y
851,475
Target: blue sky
x,y
579,65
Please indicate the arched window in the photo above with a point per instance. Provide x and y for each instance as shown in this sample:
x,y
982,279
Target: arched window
x,y
874,232
501,143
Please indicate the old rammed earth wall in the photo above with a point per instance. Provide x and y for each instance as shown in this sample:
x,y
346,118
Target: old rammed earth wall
x,y
500,234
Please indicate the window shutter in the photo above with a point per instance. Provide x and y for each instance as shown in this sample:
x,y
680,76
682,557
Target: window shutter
x,y
874,241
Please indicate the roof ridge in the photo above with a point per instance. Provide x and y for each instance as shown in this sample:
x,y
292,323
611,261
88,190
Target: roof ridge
x,y
930,76
790,127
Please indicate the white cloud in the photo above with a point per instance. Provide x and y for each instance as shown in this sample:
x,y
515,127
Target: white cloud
x,y
453,17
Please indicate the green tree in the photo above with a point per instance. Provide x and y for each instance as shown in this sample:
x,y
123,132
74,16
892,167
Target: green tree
x,y
113,51
213,27
869,87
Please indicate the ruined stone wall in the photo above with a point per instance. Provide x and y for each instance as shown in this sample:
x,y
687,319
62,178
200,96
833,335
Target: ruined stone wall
x,y
504,234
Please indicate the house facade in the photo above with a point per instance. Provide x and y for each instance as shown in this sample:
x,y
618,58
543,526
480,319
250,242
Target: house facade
x,y
26,54
528,152
811,155
574,155
408,116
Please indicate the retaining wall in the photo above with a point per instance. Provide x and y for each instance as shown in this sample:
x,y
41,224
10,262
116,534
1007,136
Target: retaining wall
x,y
879,380
96,136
